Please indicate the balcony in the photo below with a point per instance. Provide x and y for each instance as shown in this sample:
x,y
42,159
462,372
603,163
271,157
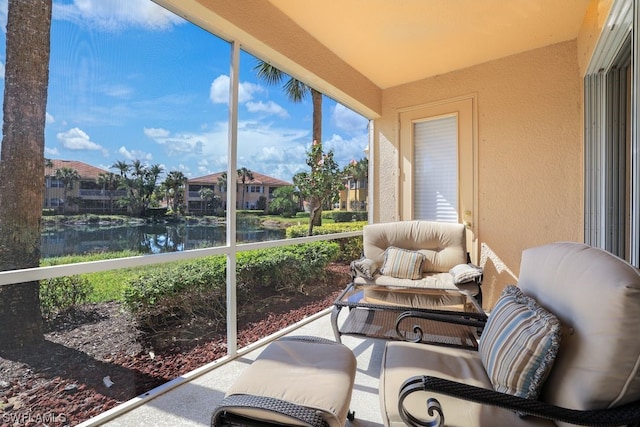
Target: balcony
x,y
189,400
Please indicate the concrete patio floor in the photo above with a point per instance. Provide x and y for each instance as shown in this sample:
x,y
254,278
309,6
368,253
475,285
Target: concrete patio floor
x,y
189,401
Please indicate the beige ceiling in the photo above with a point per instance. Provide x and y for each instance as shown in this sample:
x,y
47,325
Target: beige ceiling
x,y
439,35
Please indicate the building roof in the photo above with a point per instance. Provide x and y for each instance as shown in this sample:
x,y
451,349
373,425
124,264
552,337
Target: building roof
x,y
258,179
85,171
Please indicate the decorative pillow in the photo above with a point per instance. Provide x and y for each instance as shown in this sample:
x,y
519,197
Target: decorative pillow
x,y
463,273
364,267
402,263
519,344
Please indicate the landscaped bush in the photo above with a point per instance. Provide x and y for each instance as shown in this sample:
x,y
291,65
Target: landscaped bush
x,y
198,287
303,214
344,216
350,247
327,214
286,268
62,293
181,289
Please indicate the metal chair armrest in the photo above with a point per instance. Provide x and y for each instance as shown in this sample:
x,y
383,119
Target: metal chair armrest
x,y
628,414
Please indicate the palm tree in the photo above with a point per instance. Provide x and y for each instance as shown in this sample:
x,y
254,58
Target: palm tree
x,y
122,167
211,201
68,177
174,183
26,80
222,182
296,91
48,164
245,175
109,182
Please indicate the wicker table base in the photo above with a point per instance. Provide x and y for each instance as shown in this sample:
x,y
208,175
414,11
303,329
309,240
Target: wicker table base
x,y
382,324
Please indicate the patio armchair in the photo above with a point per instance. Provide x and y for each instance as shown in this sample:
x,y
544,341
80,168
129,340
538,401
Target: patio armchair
x,y
558,349
425,264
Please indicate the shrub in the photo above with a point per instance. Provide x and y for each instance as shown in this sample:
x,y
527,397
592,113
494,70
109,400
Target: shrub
x,y
350,247
303,214
286,268
62,293
327,214
198,287
344,216
181,289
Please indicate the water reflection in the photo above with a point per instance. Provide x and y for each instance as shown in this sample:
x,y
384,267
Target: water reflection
x,y
145,238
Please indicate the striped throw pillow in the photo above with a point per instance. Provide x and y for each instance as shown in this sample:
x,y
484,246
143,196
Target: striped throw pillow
x,y
402,263
519,344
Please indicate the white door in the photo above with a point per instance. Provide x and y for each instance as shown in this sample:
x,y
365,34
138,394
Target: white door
x,y
438,162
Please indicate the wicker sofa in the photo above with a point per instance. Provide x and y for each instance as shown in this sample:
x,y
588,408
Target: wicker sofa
x,y
442,247
557,350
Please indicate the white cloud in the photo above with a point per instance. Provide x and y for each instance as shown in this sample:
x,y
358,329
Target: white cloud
x,y
2,70
345,150
156,132
51,152
49,119
219,91
117,91
117,15
134,154
348,120
270,108
76,139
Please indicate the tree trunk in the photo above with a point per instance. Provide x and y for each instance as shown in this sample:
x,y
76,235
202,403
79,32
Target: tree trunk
x,y
317,136
316,97
22,166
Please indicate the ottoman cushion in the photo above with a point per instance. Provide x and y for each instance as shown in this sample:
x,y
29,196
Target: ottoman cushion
x,y
314,374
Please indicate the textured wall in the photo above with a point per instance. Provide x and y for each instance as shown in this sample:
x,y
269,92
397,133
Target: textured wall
x,y
530,157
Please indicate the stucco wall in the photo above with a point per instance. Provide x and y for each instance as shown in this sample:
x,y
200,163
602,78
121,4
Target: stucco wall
x,y
530,179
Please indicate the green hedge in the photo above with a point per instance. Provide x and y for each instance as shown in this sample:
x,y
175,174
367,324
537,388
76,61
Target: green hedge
x,y
198,287
344,216
350,247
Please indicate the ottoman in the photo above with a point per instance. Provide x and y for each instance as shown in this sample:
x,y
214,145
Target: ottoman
x,y
296,381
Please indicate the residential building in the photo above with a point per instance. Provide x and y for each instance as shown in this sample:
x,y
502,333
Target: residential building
x,y
248,198
85,195
354,195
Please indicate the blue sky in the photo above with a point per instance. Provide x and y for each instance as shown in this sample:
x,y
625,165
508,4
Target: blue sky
x,y
130,80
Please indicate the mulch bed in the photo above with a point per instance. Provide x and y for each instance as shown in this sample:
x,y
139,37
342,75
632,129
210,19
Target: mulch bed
x,y
96,357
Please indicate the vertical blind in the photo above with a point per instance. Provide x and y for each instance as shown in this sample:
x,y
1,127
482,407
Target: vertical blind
x,y
435,160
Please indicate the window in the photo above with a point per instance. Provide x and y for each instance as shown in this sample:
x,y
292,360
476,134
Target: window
x,y
436,169
55,183
612,193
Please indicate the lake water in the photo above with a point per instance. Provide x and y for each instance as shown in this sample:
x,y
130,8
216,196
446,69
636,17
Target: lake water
x,y
146,238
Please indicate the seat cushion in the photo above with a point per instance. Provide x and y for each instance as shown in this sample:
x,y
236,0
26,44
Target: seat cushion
x,y
596,297
316,375
437,282
519,344
402,360
382,295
